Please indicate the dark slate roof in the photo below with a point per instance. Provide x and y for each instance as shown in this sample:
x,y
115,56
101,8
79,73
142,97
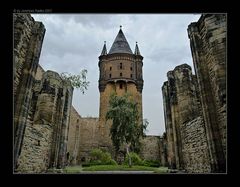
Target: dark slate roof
x,y
104,51
137,52
120,44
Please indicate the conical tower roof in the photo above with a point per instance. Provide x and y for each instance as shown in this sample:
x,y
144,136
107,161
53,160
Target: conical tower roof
x,y
104,50
137,52
120,44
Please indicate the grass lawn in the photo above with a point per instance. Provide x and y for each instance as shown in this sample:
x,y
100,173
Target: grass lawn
x,y
78,169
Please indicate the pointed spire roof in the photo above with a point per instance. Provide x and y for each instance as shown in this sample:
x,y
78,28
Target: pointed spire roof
x,y
120,44
104,51
137,52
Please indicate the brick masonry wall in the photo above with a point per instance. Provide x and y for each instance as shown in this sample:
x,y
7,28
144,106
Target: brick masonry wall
x,y
73,137
195,150
88,137
104,127
150,148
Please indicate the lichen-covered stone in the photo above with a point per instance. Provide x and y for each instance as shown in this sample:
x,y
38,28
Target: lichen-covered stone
x,y
208,46
28,38
42,102
181,107
150,148
195,105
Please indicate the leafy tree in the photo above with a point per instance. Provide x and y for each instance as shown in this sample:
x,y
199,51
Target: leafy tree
x,y
127,127
78,81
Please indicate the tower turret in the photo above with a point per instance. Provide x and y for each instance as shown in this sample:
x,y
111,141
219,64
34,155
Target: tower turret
x,y
120,73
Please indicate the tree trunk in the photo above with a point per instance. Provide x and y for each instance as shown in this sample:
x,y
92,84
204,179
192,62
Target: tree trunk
x,y
130,159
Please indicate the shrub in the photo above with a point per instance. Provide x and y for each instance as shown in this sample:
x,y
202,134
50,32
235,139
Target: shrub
x,y
151,163
98,157
136,160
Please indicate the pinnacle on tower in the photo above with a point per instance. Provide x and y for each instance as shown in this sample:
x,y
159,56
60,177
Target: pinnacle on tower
x,y
137,52
104,51
120,44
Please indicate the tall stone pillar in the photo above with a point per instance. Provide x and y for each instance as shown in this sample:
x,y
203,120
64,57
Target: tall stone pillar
x,y
175,119
208,46
54,106
28,38
168,126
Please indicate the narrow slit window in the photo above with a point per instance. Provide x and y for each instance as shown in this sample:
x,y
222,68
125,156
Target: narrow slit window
x,y
120,74
121,86
120,65
110,75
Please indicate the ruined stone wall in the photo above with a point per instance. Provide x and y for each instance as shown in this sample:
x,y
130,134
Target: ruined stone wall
x,y
44,143
208,46
28,38
42,102
150,148
39,73
195,150
88,137
189,137
73,137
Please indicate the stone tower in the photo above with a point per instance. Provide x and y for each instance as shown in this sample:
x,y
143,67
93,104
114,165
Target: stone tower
x,y
120,72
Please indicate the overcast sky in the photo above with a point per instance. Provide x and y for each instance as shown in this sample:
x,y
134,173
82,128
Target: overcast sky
x,y
73,42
